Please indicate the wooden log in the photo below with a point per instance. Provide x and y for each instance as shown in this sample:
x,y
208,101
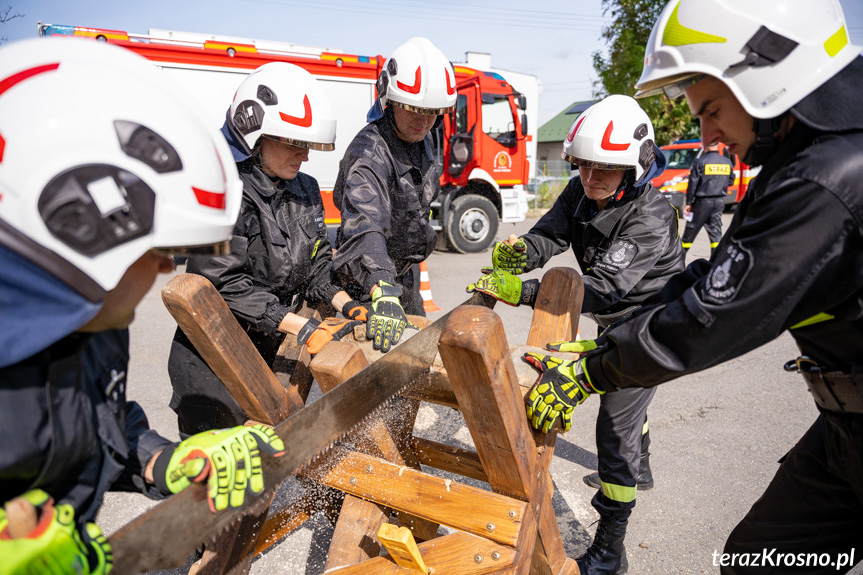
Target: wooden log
x,y
557,308
491,515
458,553
205,318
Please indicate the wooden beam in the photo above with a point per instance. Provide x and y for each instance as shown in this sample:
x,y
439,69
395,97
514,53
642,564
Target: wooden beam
x,y
205,318
286,520
449,458
457,505
458,553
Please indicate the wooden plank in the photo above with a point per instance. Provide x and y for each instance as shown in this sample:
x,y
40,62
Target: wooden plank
x,y
458,553
205,318
449,458
457,505
557,308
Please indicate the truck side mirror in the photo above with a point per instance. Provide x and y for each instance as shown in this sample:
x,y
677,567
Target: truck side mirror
x,y
460,152
524,124
521,102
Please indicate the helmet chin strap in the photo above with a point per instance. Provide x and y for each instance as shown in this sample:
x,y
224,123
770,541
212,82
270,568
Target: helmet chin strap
x,y
766,140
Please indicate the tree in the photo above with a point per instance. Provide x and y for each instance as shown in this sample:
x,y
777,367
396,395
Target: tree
x,y
626,38
5,16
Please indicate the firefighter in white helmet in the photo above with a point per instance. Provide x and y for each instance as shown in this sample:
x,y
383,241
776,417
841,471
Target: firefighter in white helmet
x,y
782,86
624,234
105,172
280,251
386,183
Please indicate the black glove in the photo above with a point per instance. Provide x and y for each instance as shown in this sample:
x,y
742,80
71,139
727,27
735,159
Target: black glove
x,y
316,334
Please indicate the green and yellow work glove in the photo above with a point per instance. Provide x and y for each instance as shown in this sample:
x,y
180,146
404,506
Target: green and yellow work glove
x,y
316,334
561,386
54,546
504,286
355,310
387,321
228,459
510,255
577,346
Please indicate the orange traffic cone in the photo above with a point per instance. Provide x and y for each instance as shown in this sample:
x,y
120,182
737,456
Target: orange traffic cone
x,y
425,290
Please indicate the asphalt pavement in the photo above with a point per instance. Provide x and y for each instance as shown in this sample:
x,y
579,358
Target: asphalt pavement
x,y
716,438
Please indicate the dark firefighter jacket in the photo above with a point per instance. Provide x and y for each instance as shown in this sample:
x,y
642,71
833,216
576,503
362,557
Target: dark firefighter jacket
x,y
709,177
792,259
66,427
626,251
384,189
280,249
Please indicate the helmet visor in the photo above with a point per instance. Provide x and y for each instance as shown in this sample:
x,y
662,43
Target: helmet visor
x,y
672,86
322,147
217,249
424,111
580,163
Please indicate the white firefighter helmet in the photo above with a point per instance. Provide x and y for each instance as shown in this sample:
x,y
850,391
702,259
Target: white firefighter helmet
x,y
419,78
286,103
771,55
614,134
103,159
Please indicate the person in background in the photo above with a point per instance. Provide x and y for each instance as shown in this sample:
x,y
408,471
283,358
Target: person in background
x,y
385,186
624,234
782,86
709,178
280,251
106,173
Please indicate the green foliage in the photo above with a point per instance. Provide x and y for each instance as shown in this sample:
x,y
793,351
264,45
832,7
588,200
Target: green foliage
x,y
626,38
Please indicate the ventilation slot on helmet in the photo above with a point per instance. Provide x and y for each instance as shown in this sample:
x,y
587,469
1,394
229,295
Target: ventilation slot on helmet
x,y
765,48
142,143
93,208
267,96
640,132
249,116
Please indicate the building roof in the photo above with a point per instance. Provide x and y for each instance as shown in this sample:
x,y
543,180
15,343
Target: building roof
x,y
556,129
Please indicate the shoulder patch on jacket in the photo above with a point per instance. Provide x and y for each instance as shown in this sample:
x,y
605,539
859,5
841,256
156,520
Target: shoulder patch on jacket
x,y
619,255
727,275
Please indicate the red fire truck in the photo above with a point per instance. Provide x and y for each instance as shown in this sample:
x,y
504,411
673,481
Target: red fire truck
x,y
480,147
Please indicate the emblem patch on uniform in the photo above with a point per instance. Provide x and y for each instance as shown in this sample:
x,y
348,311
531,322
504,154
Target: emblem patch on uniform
x,y
319,223
726,277
618,257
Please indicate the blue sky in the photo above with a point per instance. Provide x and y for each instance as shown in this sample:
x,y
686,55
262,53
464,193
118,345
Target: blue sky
x,y
552,39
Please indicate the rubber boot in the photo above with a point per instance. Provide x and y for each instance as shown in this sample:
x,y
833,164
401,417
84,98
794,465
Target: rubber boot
x,y
643,482
607,555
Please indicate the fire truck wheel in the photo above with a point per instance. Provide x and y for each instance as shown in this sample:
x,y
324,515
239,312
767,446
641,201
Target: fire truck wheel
x,y
471,224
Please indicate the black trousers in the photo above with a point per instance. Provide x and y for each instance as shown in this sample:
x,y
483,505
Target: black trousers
x,y
620,439
812,509
706,213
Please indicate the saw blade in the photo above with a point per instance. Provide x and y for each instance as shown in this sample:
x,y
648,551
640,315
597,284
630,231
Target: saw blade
x,y
167,534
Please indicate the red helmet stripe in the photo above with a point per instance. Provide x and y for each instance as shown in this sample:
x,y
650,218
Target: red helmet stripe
x,y
450,90
575,128
303,122
210,199
415,89
607,144
24,74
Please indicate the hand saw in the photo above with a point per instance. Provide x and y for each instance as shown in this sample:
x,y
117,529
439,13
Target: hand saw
x,y
167,534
